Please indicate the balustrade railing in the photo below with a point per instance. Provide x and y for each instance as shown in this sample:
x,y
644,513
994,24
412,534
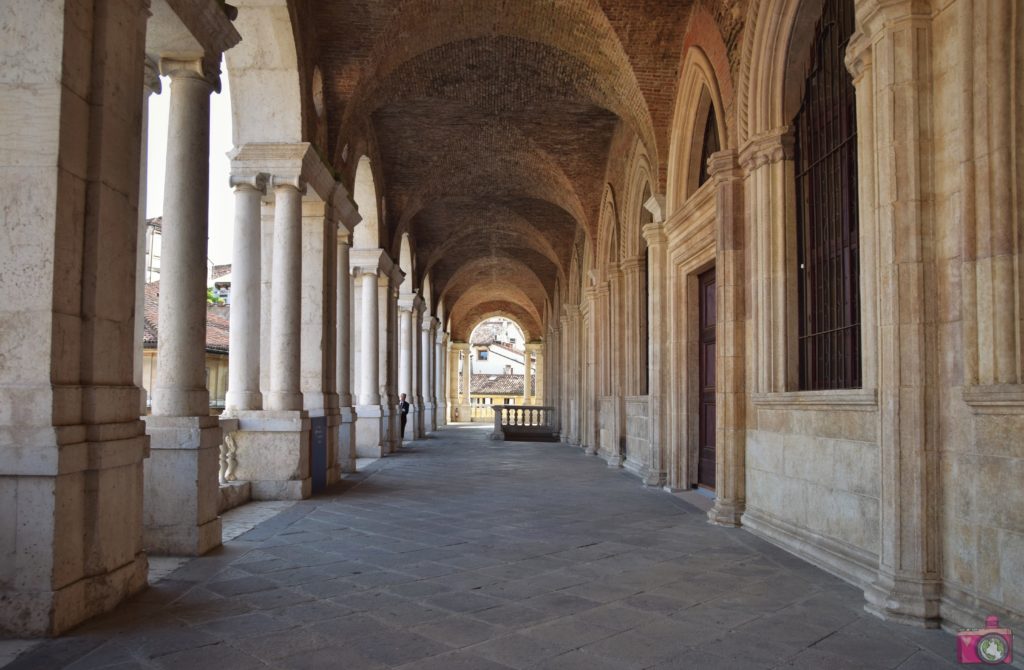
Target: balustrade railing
x,y
523,421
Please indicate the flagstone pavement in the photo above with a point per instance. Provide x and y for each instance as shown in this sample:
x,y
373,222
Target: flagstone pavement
x,y
459,553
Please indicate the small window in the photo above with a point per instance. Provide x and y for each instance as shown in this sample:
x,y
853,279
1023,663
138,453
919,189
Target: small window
x,y
482,355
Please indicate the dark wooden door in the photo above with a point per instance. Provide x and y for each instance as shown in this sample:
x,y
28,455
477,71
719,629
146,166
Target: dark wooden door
x,y
706,454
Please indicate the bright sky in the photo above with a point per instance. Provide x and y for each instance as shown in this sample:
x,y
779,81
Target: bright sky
x,y
222,204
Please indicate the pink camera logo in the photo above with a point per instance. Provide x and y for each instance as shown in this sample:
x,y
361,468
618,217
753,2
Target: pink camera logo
x,y
990,645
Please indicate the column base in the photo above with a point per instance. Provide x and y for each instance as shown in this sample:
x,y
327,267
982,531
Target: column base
x,y
726,513
182,493
273,453
347,440
371,432
430,417
411,425
905,601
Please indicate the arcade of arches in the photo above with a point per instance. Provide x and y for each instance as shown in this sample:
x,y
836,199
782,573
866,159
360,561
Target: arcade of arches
x,y
767,248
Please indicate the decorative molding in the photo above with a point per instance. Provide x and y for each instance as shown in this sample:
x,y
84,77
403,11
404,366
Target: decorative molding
x,y
849,563
830,400
995,399
767,148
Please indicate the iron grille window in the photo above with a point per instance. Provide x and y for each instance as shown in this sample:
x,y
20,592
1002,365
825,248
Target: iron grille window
x,y
827,232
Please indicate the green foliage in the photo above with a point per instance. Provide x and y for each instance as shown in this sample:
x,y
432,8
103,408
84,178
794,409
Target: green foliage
x,y
212,298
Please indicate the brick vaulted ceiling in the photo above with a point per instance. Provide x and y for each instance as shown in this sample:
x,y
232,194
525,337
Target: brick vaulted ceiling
x,y
490,123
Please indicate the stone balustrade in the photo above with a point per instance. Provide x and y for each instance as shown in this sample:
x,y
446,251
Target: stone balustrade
x,y
524,422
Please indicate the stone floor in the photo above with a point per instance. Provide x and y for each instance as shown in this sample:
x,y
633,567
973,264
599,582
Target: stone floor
x,y
461,554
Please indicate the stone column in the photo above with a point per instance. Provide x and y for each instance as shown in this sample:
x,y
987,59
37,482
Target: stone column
x,y
540,397
244,358
388,287
658,349
369,384
426,347
286,298
181,483
527,373
417,414
151,85
589,397
441,377
371,431
317,328
465,403
895,151
730,342
405,358
346,431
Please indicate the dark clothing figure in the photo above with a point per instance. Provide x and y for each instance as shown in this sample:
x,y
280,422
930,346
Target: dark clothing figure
x,y
403,408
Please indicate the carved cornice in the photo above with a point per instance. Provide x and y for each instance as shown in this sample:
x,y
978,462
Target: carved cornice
x,y
768,148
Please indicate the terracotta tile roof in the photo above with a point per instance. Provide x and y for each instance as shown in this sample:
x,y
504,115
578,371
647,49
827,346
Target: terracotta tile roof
x,y
217,338
156,223
510,385
219,271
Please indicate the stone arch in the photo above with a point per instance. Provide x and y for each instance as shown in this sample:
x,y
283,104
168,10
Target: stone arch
x,y
464,330
640,176
699,92
366,234
407,263
769,89
607,234
268,100
428,296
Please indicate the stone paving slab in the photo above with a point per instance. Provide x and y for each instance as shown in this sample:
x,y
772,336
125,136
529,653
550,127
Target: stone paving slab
x,y
459,553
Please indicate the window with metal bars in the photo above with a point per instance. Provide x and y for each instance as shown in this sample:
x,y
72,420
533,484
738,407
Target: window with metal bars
x,y
828,256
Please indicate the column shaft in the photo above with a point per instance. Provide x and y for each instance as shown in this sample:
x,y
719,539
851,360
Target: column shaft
x,y
244,358
181,383
405,353
369,383
344,359
286,296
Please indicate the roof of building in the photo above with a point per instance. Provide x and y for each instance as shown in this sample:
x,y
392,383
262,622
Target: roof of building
x,y
486,332
217,338
156,223
508,347
220,271
510,385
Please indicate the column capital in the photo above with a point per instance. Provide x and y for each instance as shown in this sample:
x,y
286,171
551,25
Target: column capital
x,y
442,337
407,302
199,68
344,236
279,181
255,181
430,322
151,76
460,346
631,265
770,147
654,233
656,206
724,166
